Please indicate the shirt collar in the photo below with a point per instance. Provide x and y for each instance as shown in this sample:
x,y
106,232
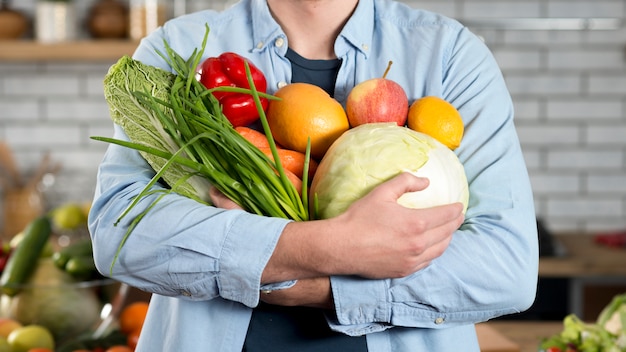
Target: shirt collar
x,y
265,29
357,32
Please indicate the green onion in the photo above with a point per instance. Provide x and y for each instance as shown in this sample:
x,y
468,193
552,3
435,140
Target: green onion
x,y
193,138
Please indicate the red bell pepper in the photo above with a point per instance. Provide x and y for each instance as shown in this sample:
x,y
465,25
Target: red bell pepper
x,y
228,69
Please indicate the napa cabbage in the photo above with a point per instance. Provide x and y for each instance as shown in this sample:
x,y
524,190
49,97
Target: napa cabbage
x,y
142,124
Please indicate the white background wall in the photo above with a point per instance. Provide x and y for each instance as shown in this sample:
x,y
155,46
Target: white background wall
x,y
569,89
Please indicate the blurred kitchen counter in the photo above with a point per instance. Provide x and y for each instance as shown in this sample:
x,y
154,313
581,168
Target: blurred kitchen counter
x,y
595,272
515,336
583,258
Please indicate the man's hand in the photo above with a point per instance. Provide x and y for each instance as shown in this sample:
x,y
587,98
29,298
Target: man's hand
x,y
388,240
220,200
375,238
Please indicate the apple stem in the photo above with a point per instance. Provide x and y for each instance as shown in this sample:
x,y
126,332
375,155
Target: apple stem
x,y
388,68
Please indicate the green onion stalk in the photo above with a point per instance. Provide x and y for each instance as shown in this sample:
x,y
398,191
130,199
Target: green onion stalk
x,y
178,127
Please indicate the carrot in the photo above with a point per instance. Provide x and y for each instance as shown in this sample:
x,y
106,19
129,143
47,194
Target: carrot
x,y
295,180
253,136
293,161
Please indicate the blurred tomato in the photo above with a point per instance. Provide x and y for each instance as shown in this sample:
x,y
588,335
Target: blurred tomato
x,y
119,348
133,338
133,316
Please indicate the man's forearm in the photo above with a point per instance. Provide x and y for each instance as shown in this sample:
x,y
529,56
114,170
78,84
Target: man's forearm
x,y
375,238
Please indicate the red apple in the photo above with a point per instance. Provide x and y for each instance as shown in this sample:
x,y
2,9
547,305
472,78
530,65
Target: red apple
x,y
377,100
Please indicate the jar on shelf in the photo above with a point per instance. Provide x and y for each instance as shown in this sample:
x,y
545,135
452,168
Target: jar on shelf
x,y
55,21
146,16
13,24
108,19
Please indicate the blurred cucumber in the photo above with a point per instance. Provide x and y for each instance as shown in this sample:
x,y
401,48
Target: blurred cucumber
x,y
77,249
25,256
76,259
81,266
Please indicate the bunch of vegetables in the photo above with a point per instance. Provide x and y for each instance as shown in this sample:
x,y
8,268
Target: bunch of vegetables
x,y
185,124
178,126
607,334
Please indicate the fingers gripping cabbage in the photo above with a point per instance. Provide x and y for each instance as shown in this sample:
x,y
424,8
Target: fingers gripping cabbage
x,y
370,154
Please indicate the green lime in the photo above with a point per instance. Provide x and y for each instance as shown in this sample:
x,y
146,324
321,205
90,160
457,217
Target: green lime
x,y
69,216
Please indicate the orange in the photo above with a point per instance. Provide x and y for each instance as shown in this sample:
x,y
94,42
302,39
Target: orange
x,y
306,111
437,118
133,316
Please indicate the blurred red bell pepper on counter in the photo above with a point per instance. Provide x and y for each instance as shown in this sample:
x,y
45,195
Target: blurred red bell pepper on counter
x,y
228,69
611,239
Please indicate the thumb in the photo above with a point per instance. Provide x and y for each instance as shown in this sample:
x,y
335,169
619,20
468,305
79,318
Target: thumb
x,y
407,182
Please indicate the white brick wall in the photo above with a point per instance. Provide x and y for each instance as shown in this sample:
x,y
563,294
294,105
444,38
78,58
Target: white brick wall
x,y
569,89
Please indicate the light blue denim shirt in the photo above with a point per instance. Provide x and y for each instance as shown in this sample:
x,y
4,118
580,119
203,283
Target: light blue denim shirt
x,y
204,264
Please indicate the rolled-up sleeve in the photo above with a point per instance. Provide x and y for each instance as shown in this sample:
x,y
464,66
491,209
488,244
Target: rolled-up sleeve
x,y
180,247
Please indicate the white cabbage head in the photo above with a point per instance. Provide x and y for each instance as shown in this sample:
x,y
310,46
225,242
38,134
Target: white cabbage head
x,y
370,154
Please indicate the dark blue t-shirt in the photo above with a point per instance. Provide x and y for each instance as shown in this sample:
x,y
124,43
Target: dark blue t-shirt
x,y
300,329
322,73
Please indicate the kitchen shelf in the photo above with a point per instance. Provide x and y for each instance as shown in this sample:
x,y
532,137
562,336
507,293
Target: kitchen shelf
x,y
83,50
550,24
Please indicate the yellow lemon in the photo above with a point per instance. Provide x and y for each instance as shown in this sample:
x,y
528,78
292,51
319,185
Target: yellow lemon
x,y
437,118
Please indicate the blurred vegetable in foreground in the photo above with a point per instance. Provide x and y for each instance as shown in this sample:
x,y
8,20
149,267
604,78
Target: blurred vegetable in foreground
x,y
607,334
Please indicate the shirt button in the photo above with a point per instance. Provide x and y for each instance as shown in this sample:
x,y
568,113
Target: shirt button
x,y
365,47
439,320
259,45
279,42
186,294
281,84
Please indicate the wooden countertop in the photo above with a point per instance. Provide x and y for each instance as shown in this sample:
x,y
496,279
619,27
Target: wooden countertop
x,y
491,340
515,336
584,258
